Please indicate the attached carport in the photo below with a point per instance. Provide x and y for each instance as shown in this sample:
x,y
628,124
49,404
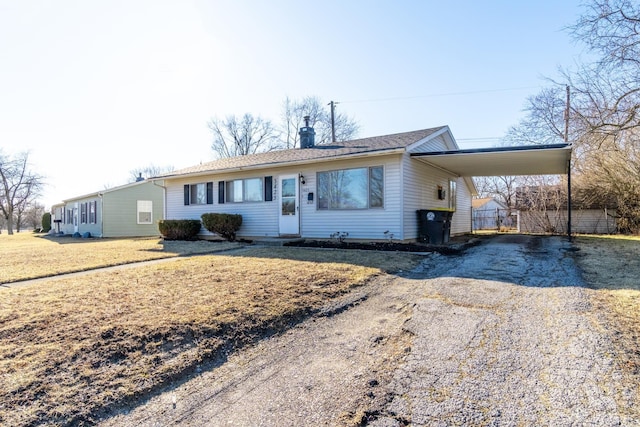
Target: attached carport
x,y
551,159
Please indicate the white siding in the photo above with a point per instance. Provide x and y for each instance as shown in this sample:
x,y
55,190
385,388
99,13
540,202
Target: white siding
x,y
260,219
420,191
367,224
436,144
461,221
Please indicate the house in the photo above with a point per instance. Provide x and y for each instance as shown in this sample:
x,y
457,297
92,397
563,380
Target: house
x,y
491,214
131,210
370,188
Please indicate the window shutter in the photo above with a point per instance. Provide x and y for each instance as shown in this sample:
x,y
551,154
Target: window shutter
x,y
209,193
268,188
221,192
186,194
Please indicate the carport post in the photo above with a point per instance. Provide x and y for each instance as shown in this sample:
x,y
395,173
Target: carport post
x,y
569,197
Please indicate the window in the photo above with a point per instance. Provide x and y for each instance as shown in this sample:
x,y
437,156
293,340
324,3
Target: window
x,y
92,212
360,188
83,213
245,190
198,194
145,212
452,194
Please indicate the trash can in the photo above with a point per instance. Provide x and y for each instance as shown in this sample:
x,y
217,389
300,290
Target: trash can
x,y
434,225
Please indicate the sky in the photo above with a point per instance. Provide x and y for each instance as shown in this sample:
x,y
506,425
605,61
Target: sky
x,y
93,89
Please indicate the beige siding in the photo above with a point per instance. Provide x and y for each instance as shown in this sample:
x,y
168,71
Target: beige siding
x,y
120,210
588,221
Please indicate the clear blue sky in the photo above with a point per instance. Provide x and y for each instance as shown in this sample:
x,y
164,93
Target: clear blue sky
x,y
96,88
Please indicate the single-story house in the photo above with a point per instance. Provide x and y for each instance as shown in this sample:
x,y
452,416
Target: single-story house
x,y
131,210
369,189
491,214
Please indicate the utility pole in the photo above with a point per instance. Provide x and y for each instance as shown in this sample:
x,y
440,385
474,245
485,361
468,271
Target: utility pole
x,y
333,120
566,116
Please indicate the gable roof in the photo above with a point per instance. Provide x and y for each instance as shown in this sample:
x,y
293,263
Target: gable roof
x,y
386,144
478,203
106,190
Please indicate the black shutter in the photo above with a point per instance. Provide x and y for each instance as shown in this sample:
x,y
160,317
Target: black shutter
x,y
268,188
186,194
209,193
221,192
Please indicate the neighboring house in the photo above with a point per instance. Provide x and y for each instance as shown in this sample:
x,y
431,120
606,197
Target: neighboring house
x,y
491,214
131,210
544,210
370,188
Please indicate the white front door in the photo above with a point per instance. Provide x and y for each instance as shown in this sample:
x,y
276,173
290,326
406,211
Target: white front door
x,y
288,206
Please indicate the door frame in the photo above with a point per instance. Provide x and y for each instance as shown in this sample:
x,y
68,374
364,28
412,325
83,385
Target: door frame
x,y
288,226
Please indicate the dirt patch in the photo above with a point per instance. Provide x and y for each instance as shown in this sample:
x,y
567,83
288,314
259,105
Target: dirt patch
x,y
455,246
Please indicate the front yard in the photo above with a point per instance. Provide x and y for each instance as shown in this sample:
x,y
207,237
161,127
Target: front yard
x,y
70,348
611,265
73,348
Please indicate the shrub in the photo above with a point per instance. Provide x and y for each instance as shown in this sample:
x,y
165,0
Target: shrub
x,y
226,225
46,222
179,229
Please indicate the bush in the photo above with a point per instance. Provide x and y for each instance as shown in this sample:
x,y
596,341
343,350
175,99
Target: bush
x,y
46,222
179,229
226,225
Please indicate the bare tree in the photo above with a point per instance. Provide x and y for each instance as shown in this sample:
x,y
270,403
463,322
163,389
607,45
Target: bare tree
x,y
502,188
294,111
149,171
32,216
18,187
235,136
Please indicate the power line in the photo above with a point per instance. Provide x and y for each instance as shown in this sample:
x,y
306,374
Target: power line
x,y
433,95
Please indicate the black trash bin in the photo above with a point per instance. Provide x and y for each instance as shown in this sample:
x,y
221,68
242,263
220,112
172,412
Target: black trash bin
x,y
434,225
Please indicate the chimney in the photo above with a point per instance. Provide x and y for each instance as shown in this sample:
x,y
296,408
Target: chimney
x,y
307,135
139,178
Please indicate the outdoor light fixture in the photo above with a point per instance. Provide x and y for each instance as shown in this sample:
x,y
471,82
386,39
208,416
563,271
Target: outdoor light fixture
x,y
302,181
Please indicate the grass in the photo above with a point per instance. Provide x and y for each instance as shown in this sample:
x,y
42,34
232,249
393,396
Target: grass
x,y
29,256
611,265
73,348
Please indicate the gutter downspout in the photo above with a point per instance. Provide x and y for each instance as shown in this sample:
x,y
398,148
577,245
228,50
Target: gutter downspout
x,y
101,214
164,197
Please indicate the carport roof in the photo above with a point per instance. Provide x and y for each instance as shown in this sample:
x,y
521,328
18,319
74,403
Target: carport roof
x,y
551,159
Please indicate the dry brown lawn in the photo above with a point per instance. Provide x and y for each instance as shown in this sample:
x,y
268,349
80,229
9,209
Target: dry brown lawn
x,y
611,264
73,348
29,256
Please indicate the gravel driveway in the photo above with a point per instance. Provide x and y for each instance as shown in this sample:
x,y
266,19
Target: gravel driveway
x,y
503,335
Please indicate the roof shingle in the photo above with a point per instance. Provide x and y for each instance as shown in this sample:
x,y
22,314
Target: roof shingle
x,y
325,151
